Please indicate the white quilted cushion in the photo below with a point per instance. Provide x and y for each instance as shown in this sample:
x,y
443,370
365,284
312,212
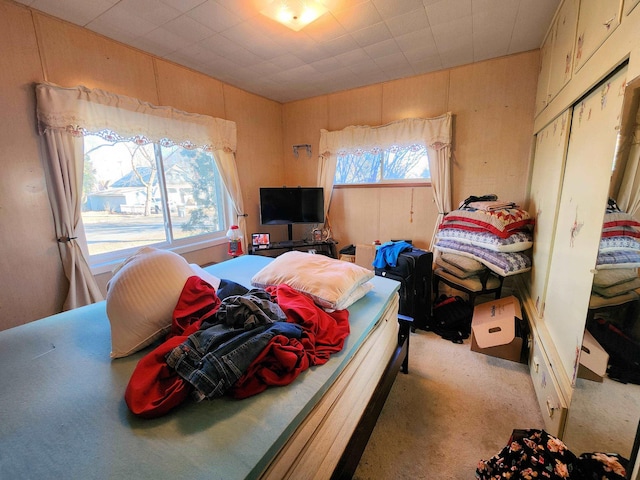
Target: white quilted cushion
x,y
141,298
330,282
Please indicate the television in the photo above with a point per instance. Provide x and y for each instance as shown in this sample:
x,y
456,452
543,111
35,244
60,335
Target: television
x,y
290,205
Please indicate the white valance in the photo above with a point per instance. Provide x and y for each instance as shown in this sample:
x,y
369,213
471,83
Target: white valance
x,y
93,111
430,132
433,133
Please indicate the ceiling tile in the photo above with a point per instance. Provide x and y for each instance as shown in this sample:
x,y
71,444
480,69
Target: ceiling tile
x,y
358,16
392,8
427,64
413,21
324,28
454,34
382,49
340,44
352,57
182,5
531,24
446,11
152,11
214,16
79,12
355,42
117,24
160,42
417,38
373,34
187,28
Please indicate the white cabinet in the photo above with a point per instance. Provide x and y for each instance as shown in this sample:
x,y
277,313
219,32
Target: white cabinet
x,y
542,98
563,46
544,197
596,21
630,5
552,404
556,54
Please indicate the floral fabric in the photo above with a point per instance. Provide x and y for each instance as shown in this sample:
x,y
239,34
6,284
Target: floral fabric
x,y
535,454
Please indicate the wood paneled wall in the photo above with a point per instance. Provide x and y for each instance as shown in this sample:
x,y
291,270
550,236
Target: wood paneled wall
x,y
492,103
36,47
493,107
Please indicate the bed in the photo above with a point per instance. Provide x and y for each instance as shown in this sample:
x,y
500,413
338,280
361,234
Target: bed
x,y
64,416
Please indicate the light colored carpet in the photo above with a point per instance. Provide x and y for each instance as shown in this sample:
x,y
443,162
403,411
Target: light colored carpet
x,y
454,408
603,417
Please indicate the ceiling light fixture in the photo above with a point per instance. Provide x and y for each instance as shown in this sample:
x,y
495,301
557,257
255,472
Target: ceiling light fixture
x,y
295,14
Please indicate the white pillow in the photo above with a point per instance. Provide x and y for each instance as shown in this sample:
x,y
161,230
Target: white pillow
x,y
356,295
614,276
206,276
328,281
466,264
141,298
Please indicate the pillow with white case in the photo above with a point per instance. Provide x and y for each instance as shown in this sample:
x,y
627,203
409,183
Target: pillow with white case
x,y
142,295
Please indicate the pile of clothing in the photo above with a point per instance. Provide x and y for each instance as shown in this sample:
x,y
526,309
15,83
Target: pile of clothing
x,y
236,342
531,454
485,235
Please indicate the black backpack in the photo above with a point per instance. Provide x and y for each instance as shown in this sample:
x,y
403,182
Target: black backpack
x,y
451,318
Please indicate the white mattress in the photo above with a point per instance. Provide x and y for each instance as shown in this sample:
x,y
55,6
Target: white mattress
x,y
62,410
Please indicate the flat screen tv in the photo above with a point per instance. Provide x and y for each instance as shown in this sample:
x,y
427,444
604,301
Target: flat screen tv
x,y
290,205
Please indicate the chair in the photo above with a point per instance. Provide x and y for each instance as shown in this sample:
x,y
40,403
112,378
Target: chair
x,y
486,282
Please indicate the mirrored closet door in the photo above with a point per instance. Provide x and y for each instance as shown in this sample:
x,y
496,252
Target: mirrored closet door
x,y
579,163
604,416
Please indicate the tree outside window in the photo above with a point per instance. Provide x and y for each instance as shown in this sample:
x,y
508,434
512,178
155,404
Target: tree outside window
x,y
148,194
392,165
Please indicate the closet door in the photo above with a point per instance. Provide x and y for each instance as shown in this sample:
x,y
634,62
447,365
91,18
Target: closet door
x,y
592,143
546,180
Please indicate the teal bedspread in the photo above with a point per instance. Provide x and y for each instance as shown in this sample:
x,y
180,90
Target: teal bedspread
x,y
63,415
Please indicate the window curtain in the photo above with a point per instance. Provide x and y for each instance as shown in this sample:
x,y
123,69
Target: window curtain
x,y
628,197
434,133
66,114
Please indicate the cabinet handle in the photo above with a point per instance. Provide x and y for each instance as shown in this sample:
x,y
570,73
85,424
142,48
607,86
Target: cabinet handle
x,y
550,408
608,23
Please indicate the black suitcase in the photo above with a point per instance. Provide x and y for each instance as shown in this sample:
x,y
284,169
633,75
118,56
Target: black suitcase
x,y
413,271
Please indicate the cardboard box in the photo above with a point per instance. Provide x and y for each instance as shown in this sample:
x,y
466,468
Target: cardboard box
x,y
348,258
365,254
495,329
593,359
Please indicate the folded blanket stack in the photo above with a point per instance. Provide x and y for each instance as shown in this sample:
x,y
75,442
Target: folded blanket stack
x,y
616,280
493,233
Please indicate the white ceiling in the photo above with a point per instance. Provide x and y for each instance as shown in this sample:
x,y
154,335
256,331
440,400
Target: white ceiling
x,y
358,42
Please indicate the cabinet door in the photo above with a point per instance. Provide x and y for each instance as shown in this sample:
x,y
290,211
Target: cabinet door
x,y
563,44
544,197
630,5
545,69
592,143
596,21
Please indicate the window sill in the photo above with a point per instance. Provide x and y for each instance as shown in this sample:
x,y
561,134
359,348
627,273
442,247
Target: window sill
x,y
108,266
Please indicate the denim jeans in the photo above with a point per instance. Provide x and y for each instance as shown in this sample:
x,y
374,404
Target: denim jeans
x,y
216,356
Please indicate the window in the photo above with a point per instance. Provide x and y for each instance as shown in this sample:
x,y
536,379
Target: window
x,y
392,165
137,194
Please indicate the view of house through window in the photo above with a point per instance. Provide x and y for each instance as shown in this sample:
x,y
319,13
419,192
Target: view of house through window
x,y
148,194
392,165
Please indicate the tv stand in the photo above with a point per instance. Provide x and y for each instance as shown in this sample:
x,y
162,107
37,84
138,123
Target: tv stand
x,y
327,248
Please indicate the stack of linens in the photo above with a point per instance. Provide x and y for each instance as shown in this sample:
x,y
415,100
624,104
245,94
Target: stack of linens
x,y
616,280
493,233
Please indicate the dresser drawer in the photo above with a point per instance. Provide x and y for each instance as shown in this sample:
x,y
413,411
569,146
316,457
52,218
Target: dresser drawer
x,y
551,401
